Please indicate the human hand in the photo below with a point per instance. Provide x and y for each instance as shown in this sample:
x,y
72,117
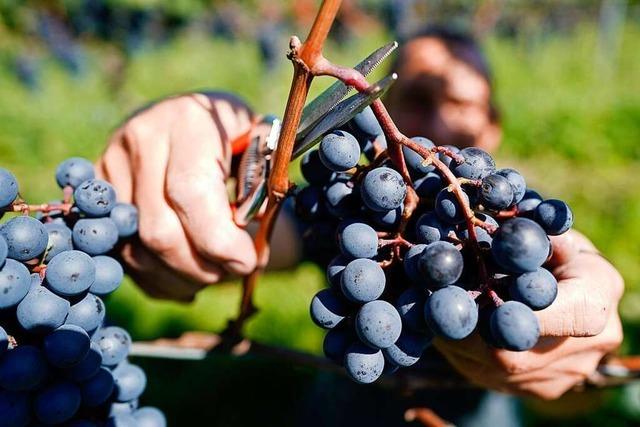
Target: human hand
x,y
576,331
172,161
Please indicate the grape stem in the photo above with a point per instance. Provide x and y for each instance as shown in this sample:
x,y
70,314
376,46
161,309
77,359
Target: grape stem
x,y
25,208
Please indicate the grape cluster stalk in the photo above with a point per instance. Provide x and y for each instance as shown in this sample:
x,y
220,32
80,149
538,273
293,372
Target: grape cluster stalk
x,y
60,362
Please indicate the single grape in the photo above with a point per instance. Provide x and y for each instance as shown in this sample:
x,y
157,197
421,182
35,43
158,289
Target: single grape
x,y
451,313
446,159
66,346
359,240
341,199
327,309
410,262
496,192
362,280
383,189
74,171
15,408
88,313
414,160
429,185
364,125
477,164
387,219
430,229
95,197
363,364
25,236
8,188
448,208
149,416
130,381
336,342
59,239
407,350
536,289
87,367
22,368
114,343
125,216
4,251
518,184
530,201
309,204
95,236
109,275
15,282
515,326
42,310
520,245
378,324
554,216
313,171
335,269
70,273
97,389
440,264
410,306
339,151
122,421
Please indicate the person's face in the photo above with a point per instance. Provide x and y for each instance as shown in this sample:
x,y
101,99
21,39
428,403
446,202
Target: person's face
x,y
442,98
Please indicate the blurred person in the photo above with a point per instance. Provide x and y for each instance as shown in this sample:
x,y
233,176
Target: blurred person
x,y
173,159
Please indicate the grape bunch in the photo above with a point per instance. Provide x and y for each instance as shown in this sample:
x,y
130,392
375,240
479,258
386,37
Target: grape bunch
x,y
59,363
454,247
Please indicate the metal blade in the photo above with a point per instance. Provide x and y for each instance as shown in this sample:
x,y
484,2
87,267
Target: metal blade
x,y
323,103
342,113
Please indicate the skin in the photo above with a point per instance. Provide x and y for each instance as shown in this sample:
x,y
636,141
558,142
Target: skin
x,y
172,160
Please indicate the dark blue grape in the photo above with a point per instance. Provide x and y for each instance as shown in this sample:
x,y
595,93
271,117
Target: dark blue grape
x,y
362,280
429,185
4,341
149,416
496,192
114,343
66,346
313,171
414,160
109,275
383,189
554,216
448,208
95,197
336,342
15,408
536,289
477,164
520,245
8,188
335,269
88,313
130,381
42,310
122,421
451,313
87,367
327,309
518,184
410,262
57,403
359,240
515,326
378,324
25,236
440,264
341,199
430,229
386,220
74,171
22,368
125,216
97,389
407,350
95,236
15,282
309,203
365,125
446,159
59,239
529,203
70,273
339,151
363,364
410,305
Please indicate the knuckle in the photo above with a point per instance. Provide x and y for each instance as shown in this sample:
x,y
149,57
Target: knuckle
x,y
157,237
512,363
186,186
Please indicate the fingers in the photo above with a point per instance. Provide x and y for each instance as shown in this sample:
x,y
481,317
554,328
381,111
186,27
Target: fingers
x,y
196,190
115,167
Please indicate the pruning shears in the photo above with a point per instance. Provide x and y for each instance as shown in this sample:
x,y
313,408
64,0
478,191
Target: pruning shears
x,y
325,112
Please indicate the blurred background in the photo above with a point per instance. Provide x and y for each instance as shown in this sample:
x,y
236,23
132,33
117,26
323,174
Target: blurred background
x,y
567,75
